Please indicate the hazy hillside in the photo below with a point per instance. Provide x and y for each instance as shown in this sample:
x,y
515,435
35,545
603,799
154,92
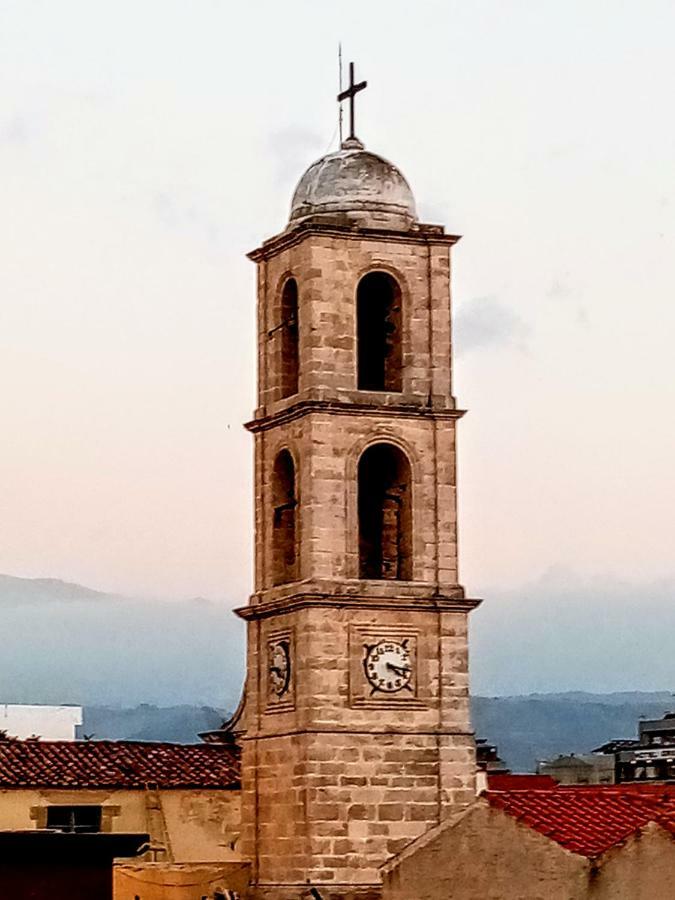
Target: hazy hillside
x,y
184,663
45,590
539,726
151,723
70,644
526,729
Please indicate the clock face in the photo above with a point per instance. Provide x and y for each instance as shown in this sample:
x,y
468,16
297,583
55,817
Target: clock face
x,y
388,666
279,667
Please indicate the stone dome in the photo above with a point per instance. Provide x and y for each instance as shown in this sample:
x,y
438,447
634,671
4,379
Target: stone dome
x,y
353,186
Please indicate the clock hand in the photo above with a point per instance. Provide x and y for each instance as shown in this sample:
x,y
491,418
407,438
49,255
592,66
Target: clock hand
x,y
399,670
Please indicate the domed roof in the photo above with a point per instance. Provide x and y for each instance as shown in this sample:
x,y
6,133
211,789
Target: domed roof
x,y
355,186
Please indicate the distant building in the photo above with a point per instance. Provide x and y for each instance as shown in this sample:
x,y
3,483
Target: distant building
x,y
584,768
652,756
51,723
488,758
488,763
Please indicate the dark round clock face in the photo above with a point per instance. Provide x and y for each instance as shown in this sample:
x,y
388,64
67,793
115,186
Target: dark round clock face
x,y
388,666
279,667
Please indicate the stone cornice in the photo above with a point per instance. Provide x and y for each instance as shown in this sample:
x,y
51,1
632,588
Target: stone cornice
x,y
342,408
347,729
423,234
436,603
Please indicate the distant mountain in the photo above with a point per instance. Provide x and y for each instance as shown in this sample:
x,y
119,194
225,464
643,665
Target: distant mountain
x,y
540,726
45,590
71,644
184,661
526,729
145,722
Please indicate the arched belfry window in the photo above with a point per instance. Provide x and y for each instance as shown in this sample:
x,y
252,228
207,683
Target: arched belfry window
x,y
385,513
379,333
290,357
284,502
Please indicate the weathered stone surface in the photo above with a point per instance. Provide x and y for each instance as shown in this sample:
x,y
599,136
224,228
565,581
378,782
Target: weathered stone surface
x,y
357,185
338,777
485,854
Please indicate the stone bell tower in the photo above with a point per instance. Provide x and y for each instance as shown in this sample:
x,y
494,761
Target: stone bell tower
x,y
355,733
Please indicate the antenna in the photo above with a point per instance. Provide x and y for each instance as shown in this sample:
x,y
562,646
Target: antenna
x,y
340,86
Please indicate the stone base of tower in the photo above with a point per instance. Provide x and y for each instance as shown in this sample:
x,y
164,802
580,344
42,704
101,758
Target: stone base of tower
x,y
326,810
322,891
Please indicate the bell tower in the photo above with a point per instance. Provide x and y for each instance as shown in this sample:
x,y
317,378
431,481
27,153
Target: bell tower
x,y
355,734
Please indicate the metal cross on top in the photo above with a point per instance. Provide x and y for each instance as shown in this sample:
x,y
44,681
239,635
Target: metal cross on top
x,y
349,94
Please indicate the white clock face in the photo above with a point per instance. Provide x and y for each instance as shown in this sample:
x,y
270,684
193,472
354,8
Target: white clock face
x,y
388,666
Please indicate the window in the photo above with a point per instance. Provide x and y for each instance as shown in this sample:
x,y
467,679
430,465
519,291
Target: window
x,y
283,519
378,332
385,514
289,339
74,819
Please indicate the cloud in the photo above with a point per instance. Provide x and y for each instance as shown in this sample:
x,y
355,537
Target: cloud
x,y
567,631
72,644
15,130
559,289
430,212
487,323
294,149
187,213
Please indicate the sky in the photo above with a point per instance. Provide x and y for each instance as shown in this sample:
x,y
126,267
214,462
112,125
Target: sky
x,y
146,147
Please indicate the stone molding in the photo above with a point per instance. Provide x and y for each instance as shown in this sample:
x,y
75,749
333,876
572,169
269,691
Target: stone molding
x,y
371,732
436,604
337,407
421,234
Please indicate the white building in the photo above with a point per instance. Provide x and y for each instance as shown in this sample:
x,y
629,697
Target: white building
x,y
51,723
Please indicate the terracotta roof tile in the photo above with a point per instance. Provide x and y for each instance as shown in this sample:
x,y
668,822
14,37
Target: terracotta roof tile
x,y
520,782
116,764
589,821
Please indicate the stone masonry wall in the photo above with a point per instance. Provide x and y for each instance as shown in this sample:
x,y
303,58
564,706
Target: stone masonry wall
x,y
338,777
327,270
326,448
334,807
486,855
335,781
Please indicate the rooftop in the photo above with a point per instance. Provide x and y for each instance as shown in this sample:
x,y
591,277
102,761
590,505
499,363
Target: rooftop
x,y
356,187
116,764
509,782
589,821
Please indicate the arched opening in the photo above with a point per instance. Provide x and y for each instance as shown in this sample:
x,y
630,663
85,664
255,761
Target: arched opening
x,y
290,360
284,504
385,513
379,333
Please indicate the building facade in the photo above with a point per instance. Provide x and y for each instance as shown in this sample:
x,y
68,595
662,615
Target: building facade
x,y
557,843
355,732
69,808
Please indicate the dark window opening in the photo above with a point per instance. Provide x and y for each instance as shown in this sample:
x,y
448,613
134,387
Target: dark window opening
x,y
283,519
385,514
290,361
379,339
74,819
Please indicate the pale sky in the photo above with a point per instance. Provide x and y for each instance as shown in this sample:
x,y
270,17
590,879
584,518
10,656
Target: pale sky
x,y
145,146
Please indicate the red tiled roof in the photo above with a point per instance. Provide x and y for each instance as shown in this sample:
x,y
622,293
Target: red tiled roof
x,y
116,764
521,782
588,821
